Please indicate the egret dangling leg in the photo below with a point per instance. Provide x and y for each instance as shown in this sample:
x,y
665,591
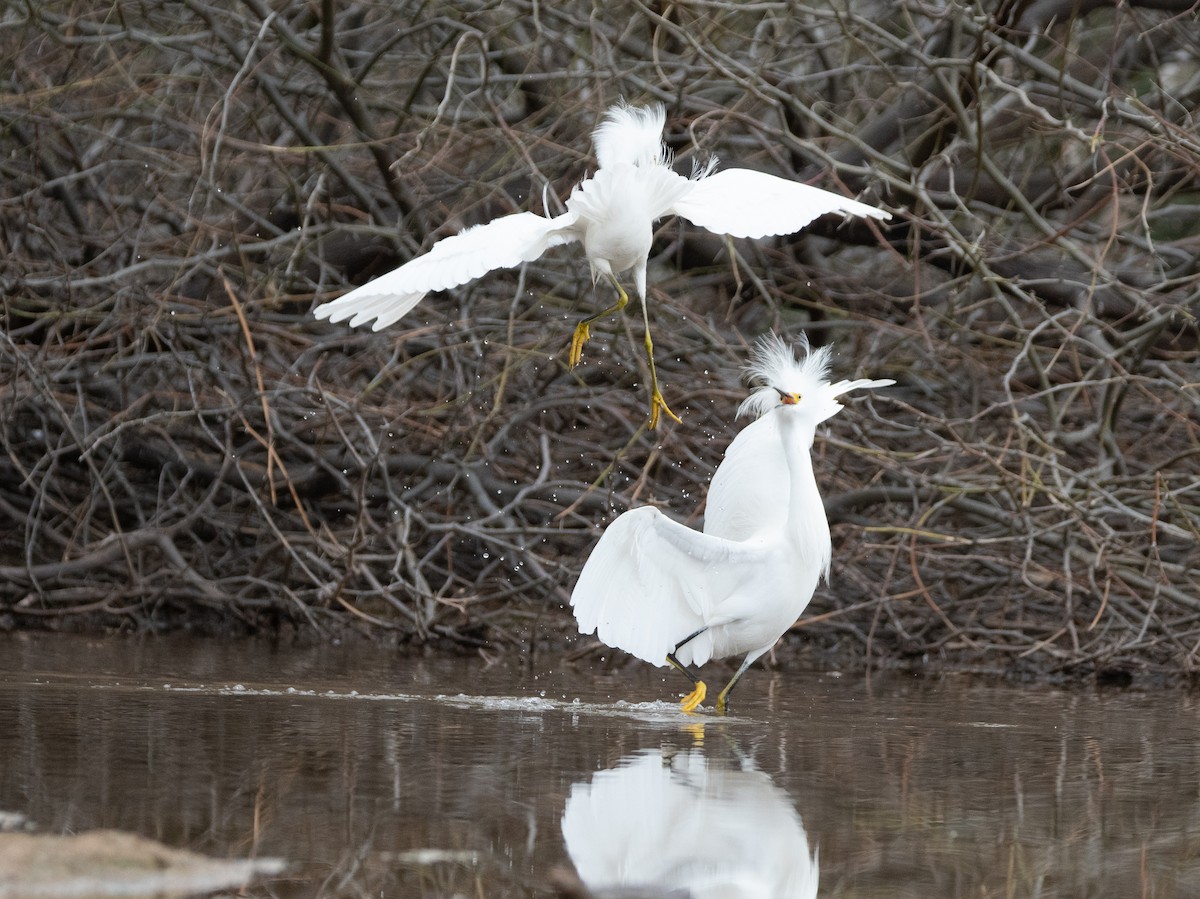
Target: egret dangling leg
x,y
583,334
657,403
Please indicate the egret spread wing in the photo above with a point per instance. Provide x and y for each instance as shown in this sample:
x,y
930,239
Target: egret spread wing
x,y
745,203
473,252
650,582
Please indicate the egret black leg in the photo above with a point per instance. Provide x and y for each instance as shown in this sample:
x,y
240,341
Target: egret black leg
x,y
723,696
700,689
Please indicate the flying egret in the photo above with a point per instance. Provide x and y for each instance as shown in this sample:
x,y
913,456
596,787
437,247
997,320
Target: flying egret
x,y
612,214
671,595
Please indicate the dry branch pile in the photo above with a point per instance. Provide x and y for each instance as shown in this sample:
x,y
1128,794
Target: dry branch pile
x,y
183,445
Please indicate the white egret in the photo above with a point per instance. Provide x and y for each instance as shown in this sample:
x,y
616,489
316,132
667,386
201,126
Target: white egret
x,y
671,595
612,214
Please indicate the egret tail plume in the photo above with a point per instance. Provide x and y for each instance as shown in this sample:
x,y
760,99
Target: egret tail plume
x,y
633,135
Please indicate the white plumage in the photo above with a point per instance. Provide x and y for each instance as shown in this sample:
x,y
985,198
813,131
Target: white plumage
x,y
679,824
671,595
612,214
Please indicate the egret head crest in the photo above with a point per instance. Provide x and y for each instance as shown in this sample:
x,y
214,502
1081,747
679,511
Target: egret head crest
x,y
801,383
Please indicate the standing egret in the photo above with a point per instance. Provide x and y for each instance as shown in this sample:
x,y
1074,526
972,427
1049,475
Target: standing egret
x,y
612,214
671,595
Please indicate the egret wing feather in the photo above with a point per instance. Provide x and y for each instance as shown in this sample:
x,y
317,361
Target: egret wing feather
x,y
361,308
650,582
470,254
859,384
745,203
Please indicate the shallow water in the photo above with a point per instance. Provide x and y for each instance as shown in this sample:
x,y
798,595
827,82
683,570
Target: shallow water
x,y
377,775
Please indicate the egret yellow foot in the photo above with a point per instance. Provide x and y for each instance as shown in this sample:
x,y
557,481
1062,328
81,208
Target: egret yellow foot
x,y
581,336
658,405
693,699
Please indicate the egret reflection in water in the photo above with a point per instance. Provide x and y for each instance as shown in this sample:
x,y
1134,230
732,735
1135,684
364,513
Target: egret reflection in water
x,y
679,822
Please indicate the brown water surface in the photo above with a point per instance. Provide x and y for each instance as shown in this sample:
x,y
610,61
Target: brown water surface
x,y
378,775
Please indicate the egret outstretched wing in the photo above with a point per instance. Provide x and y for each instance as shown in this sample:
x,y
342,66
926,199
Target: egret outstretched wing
x,y
470,254
650,582
745,203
